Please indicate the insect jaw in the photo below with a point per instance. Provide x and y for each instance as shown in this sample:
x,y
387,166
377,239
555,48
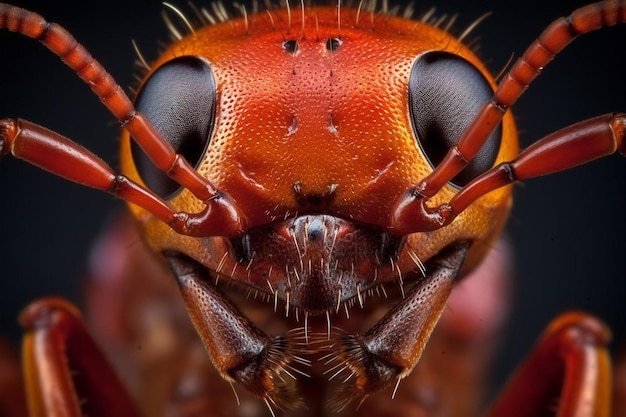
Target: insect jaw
x,y
240,351
315,280
383,354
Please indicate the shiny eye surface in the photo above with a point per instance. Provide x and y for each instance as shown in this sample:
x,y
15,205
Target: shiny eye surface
x,y
179,100
446,92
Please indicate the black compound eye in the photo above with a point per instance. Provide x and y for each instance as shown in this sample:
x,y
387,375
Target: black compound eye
x,y
446,92
179,100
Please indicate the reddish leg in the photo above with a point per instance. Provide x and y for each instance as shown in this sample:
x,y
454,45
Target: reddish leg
x,y
569,369
61,156
599,136
567,148
552,41
66,375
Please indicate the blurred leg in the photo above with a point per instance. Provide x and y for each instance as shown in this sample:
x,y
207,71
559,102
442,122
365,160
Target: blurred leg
x,y
568,370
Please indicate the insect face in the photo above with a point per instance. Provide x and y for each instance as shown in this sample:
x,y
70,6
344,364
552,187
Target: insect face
x,y
354,119
333,143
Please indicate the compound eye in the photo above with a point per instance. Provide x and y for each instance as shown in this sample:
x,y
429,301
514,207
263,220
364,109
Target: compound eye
x,y
446,92
179,100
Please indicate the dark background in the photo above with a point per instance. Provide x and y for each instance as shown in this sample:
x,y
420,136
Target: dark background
x,y
568,230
